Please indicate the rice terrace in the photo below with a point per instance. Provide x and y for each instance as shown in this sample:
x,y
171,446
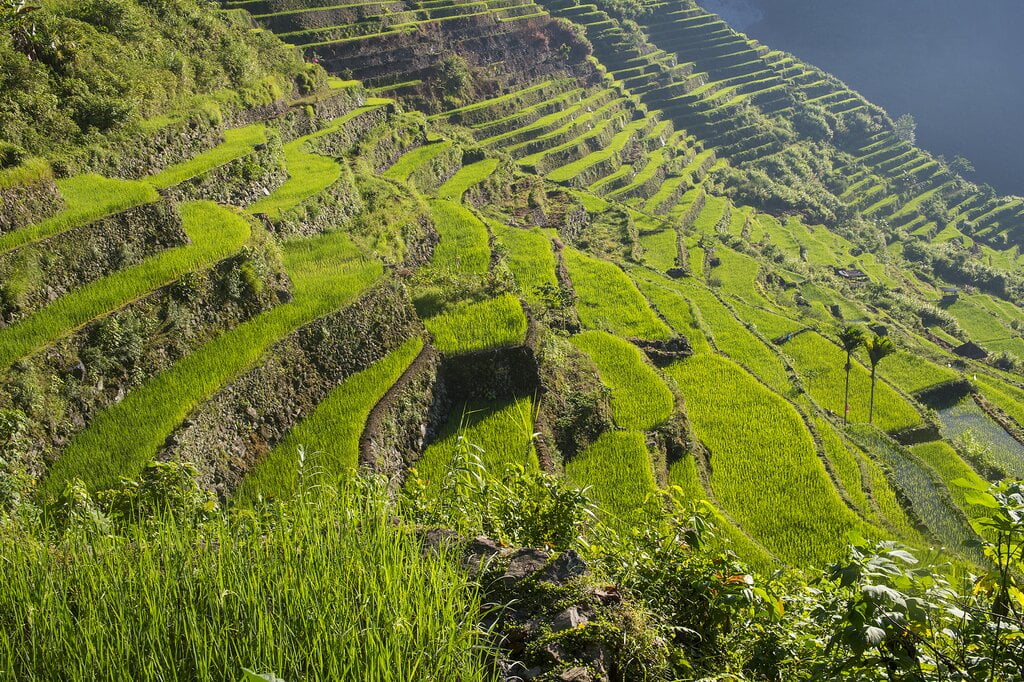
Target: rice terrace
x,y
492,340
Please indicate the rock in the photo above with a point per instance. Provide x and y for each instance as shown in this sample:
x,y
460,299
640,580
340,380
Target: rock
x,y
526,562
565,567
576,675
251,411
555,652
607,595
284,296
677,273
78,370
570,619
436,539
479,550
597,655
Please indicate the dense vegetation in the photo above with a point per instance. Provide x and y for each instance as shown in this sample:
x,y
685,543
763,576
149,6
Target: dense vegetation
x,y
502,340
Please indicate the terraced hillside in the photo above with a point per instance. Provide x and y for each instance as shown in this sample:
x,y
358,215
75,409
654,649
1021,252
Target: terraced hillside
x,y
548,229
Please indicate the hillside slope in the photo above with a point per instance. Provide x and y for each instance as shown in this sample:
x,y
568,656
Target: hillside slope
x,y
615,249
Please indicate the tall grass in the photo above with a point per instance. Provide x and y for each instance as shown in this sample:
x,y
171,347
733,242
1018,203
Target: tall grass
x,y
529,258
237,143
327,273
468,326
323,587
608,300
216,233
87,198
330,435
640,399
765,469
464,245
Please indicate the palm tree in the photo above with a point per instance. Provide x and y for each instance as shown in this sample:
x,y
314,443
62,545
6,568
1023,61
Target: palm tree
x,y
879,348
850,338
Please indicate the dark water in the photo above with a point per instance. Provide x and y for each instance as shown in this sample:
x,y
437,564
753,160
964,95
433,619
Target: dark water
x,y
957,66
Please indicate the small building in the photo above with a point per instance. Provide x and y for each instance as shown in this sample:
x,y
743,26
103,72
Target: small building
x,y
852,274
971,350
949,295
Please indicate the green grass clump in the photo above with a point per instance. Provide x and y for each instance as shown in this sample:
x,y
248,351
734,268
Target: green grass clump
x,y
529,258
237,143
283,593
87,198
216,233
640,399
330,435
765,469
499,432
466,177
411,160
464,245
467,326
617,473
607,299
327,273
821,363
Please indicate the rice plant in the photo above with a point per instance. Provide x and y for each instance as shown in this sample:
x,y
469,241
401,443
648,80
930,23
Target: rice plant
x,y
309,174
464,245
466,177
411,160
660,249
947,462
677,310
574,168
499,433
324,586
215,232
922,486
821,362
237,143
329,436
469,326
529,257
912,372
617,474
608,300
640,399
765,469
327,273
87,198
